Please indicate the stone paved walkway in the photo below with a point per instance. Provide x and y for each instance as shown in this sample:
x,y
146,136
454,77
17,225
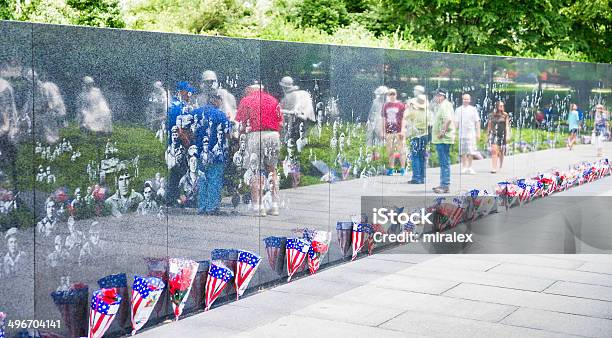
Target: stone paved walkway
x,y
395,294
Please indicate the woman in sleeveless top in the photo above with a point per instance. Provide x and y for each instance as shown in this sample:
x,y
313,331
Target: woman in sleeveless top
x,y
498,129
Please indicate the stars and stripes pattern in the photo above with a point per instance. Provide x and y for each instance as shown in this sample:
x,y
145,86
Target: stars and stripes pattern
x,y
274,246
145,294
457,213
218,278
314,262
102,313
319,246
2,317
357,238
245,270
297,249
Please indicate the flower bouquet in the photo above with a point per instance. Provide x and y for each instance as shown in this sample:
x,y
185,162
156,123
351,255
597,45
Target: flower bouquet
x,y
181,273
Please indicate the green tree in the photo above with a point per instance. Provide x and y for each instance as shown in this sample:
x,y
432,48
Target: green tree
x,y
476,26
326,15
99,13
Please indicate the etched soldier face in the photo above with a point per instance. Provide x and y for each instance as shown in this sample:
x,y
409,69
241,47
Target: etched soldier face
x,y
71,224
242,145
123,184
58,243
193,164
11,244
148,192
157,176
77,193
50,209
89,190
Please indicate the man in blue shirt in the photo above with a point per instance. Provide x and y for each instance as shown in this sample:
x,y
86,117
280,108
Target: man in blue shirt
x,y
211,140
180,104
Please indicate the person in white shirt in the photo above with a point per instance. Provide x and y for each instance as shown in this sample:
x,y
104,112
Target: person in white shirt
x,y
468,126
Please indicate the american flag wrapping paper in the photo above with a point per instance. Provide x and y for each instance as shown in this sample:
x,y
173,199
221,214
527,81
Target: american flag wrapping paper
x,y
275,247
297,249
245,270
118,281
219,276
358,237
146,291
104,305
181,274
318,248
2,317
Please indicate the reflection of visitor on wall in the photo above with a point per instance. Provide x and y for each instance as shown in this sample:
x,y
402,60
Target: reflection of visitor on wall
x,y
392,128
125,199
212,142
600,128
443,136
157,106
8,112
417,117
374,134
46,226
297,106
468,125
210,89
176,160
46,105
261,112
14,258
95,115
180,105
498,129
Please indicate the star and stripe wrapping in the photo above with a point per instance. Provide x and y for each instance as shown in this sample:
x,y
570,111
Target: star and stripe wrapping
x,y
229,257
219,276
146,291
275,250
297,249
158,267
2,317
104,306
358,237
119,282
181,273
247,264
319,246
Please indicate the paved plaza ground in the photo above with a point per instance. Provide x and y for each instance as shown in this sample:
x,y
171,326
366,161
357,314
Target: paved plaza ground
x,y
399,294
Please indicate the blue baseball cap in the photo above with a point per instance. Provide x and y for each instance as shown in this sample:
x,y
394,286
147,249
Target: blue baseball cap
x,y
184,85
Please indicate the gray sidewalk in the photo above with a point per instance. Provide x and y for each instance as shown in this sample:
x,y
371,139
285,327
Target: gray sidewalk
x,y
395,294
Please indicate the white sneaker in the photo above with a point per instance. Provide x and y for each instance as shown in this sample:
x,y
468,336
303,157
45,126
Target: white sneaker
x,y
274,209
262,211
471,171
464,170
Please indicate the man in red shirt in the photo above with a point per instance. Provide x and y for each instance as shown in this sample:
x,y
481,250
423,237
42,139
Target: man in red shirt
x,y
260,117
393,115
